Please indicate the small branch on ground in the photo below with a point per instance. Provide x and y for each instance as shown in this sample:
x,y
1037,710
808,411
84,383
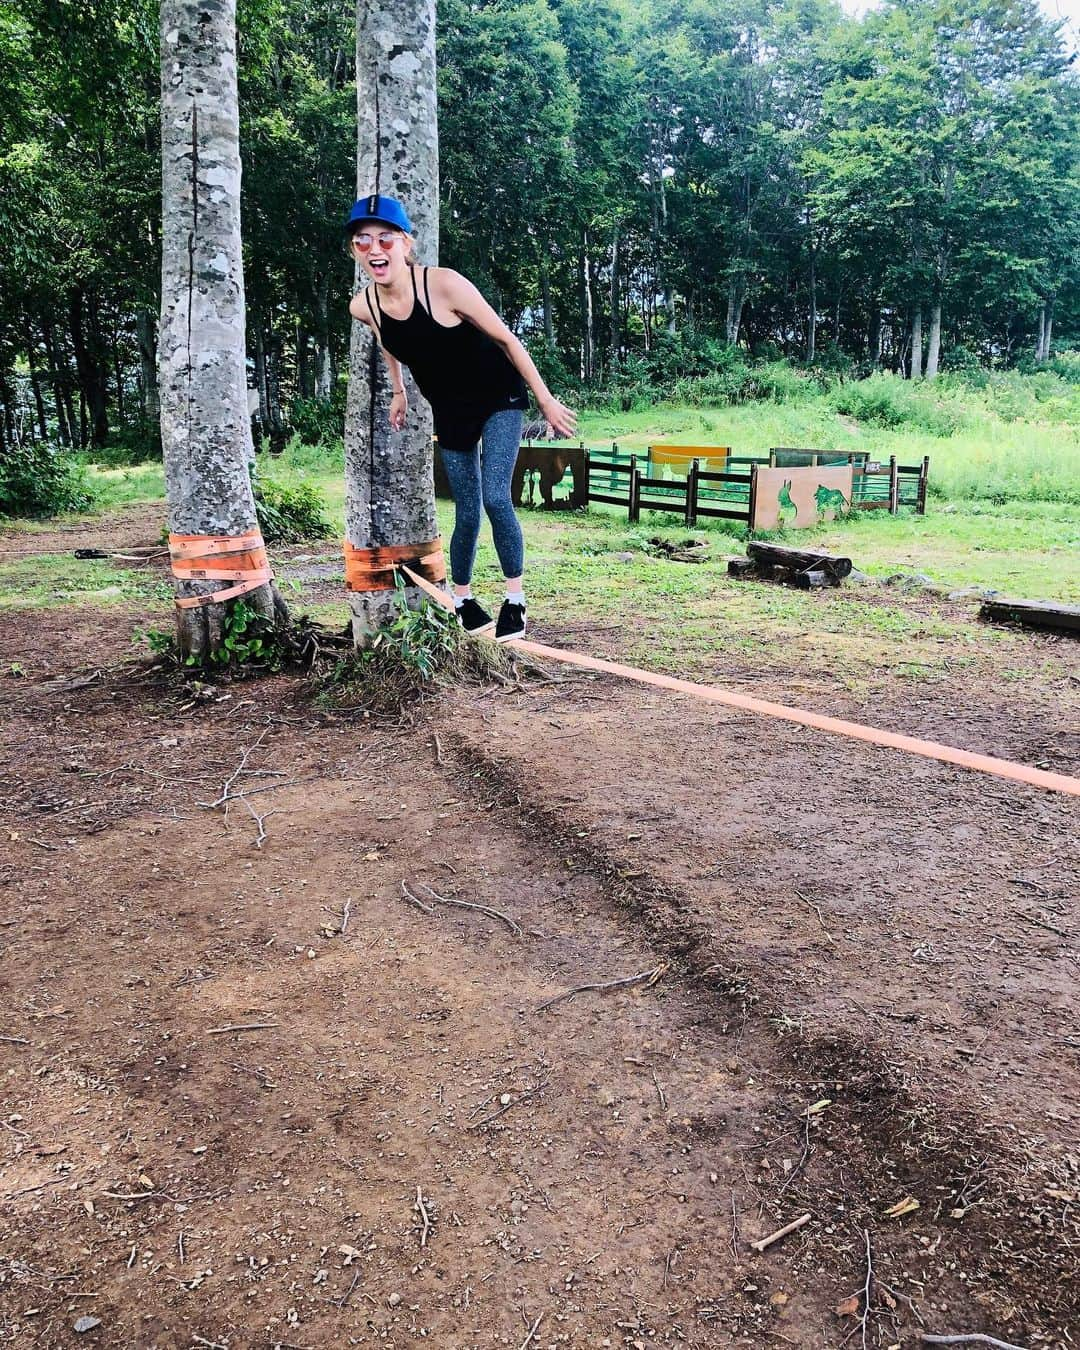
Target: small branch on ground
x,y
763,1243
807,901
734,1229
532,1334
659,1091
525,1096
241,1026
865,1319
976,1338
425,1218
439,758
802,1161
647,978
512,924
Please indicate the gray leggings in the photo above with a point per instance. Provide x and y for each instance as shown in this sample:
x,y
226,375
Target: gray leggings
x,y
482,477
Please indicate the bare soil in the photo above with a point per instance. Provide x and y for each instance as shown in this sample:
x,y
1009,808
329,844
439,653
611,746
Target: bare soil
x,y
864,972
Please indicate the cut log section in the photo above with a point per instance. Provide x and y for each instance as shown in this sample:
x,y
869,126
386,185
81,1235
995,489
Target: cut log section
x,y
799,560
1033,614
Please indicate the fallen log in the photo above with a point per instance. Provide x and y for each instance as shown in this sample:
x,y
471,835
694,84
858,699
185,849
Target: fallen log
x,y
1033,614
799,560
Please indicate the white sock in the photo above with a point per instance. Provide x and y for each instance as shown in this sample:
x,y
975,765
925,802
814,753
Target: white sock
x,y
516,597
459,600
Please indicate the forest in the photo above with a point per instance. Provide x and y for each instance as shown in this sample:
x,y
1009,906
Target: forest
x,y
652,194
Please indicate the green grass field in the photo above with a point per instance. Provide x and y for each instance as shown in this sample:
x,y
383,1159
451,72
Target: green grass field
x,y
1004,508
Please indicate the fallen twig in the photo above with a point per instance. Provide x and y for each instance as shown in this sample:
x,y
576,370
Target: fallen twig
x,y
659,1091
764,1242
512,924
29,1190
345,915
734,1229
14,1040
525,1096
865,1320
438,750
976,1338
807,901
647,977
245,756
421,1209
802,1161
241,1026
532,1334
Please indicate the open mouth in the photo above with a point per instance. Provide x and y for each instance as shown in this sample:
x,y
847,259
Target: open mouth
x,y
379,266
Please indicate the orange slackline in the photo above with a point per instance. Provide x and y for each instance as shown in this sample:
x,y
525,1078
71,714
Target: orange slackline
x,y
372,569
196,557
912,745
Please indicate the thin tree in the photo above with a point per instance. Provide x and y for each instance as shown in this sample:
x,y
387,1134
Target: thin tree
x,y
205,431
390,494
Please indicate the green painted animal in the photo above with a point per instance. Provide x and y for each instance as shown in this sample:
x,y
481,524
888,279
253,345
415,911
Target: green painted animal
x,y
783,498
830,499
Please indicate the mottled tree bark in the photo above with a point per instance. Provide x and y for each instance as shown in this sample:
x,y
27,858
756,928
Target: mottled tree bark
x,y
933,350
916,344
390,495
205,432
151,404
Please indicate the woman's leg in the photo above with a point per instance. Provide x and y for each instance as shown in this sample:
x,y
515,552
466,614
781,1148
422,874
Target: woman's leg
x,y
501,438
463,471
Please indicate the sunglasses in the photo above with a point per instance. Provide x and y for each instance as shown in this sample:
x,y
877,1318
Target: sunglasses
x,y
363,242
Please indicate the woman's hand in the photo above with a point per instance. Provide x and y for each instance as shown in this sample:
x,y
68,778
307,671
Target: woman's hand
x,y
399,407
561,420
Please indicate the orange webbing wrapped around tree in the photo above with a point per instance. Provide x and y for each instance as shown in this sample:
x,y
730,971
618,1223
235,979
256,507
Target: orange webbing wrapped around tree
x,y
372,569
199,557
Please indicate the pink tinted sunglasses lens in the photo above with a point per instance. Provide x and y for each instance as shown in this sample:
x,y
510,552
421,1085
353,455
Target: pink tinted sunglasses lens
x,y
364,242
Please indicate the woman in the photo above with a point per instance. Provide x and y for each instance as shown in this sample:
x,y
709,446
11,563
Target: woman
x,y
473,371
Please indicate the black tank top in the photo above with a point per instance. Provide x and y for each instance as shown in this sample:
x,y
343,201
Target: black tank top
x,y
462,373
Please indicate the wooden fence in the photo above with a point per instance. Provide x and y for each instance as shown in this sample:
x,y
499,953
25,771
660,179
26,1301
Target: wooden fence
x,y
629,480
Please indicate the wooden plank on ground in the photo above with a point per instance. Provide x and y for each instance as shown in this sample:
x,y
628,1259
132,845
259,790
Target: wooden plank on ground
x,y
1033,614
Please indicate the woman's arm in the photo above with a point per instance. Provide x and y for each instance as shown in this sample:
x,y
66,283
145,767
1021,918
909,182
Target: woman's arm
x,y
461,296
399,403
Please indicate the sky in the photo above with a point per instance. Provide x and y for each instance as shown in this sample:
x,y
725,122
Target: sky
x,y
1067,10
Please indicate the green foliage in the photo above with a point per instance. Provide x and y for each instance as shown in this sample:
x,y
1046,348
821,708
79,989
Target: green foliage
x,y
289,513
39,479
250,641
130,444
319,421
417,652
886,401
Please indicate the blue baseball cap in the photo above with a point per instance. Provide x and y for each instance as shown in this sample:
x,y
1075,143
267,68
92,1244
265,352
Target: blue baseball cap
x,y
385,210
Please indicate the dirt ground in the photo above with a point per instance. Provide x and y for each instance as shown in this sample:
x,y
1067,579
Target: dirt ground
x,y
857,992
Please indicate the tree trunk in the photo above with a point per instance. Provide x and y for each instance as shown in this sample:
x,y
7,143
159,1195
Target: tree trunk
x,y
873,346
273,387
933,351
545,298
205,431
390,495
151,404
916,344
303,371
736,300
615,334
35,384
260,380
1042,332
90,373
1046,328
811,336
585,296
324,375
63,427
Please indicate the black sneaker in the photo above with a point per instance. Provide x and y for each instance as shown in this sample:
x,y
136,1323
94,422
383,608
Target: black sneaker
x,y
473,618
511,622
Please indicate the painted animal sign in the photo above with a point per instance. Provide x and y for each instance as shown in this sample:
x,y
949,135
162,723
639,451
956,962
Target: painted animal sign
x,y
796,498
